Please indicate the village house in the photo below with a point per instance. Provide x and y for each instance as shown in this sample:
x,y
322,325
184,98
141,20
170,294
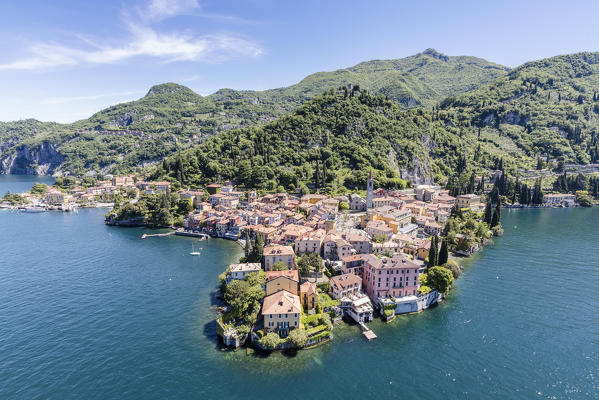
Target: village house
x,y
225,200
242,270
282,280
378,228
468,201
123,181
360,243
353,264
356,202
278,253
345,285
213,188
54,197
310,242
358,307
308,296
387,247
281,312
154,187
382,202
194,197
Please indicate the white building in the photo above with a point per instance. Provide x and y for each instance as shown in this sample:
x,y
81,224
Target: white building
x,y
557,199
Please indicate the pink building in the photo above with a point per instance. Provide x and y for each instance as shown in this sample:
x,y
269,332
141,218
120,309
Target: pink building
x,y
396,276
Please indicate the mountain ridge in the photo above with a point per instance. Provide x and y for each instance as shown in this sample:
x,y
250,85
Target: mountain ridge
x,y
547,107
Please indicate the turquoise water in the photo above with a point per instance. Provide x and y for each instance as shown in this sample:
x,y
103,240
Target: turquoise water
x,y
94,312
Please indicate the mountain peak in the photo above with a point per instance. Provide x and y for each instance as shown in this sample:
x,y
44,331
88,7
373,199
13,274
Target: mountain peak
x,y
435,54
168,88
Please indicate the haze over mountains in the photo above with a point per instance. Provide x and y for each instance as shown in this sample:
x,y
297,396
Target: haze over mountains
x,y
458,106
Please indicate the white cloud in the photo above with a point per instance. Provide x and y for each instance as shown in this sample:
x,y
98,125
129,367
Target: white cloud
x,y
168,47
160,9
143,41
72,99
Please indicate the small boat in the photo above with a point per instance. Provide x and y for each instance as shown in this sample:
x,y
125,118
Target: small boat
x,y
193,252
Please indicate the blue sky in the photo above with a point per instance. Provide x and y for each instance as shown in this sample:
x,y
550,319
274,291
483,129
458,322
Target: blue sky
x,y
63,60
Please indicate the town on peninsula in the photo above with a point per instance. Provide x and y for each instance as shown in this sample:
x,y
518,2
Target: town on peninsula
x,y
312,260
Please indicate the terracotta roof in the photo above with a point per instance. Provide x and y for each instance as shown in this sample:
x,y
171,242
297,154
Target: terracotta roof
x,y
277,249
291,274
309,288
354,257
281,302
341,282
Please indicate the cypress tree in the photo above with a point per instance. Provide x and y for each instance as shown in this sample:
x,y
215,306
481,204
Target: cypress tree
x,y
488,213
496,216
433,255
498,212
443,253
495,220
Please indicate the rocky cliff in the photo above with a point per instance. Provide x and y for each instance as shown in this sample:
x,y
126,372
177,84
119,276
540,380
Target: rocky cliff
x,y
43,159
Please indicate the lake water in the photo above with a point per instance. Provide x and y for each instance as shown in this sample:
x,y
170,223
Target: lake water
x,y
89,311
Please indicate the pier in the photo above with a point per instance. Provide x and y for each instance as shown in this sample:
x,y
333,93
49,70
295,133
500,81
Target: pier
x,y
367,332
145,235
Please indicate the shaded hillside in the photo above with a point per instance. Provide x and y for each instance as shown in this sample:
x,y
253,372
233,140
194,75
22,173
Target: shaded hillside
x,y
548,107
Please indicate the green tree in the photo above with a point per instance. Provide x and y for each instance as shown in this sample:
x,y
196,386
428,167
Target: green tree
x,y
443,253
297,338
163,218
433,254
39,189
279,266
184,207
488,212
496,216
309,262
256,278
271,340
439,278
455,269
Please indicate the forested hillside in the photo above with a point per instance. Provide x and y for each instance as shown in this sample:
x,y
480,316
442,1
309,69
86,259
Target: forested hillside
x,y
548,107
130,136
331,143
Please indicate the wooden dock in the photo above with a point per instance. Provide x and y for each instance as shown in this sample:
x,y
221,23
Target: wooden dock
x,y
367,332
369,335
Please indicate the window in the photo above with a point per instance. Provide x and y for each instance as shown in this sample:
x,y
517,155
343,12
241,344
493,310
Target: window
x,y
270,316
279,315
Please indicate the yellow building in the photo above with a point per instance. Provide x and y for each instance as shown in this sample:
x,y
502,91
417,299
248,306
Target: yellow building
x,y
308,296
277,281
281,312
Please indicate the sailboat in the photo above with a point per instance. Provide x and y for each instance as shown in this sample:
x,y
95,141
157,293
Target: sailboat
x,y
193,251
